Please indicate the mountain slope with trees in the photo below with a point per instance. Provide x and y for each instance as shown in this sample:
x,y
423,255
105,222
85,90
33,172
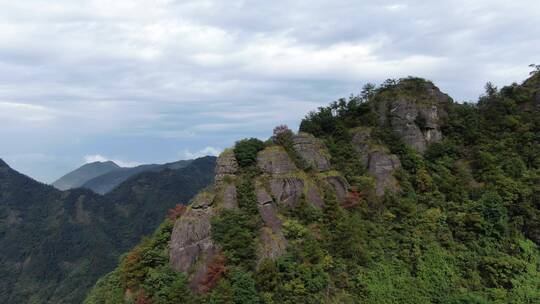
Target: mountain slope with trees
x,y
55,244
398,195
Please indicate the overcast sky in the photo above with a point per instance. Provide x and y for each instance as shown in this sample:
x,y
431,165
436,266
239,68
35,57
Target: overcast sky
x,y
152,81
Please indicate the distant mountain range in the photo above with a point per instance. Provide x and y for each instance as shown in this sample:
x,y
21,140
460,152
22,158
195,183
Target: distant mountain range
x,y
102,177
55,244
83,174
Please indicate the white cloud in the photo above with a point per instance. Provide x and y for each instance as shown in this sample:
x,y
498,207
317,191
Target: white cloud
x,y
100,158
395,7
211,151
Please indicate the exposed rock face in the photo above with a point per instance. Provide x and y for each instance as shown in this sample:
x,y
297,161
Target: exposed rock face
x,y
361,140
415,117
268,210
192,249
275,161
191,238
226,165
229,197
312,151
272,245
380,163
340,185
272,241
405,116
314,198
202,200
287,191
382,166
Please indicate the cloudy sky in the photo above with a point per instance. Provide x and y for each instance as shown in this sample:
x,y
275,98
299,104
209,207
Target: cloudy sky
x,y
151,81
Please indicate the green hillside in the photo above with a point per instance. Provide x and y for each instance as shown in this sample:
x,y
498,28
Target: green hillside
x,y
399,195
56,244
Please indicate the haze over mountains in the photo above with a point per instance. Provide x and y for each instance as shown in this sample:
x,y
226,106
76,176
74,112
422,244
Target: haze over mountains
x,y
80,176
102,177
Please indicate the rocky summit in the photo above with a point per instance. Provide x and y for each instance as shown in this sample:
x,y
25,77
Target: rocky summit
x,y
398,195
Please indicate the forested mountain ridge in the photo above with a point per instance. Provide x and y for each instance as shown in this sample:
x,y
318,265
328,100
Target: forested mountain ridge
x,y
398,195
103,177
55,244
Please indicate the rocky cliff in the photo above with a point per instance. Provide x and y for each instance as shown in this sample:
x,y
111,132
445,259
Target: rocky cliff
x,y
413,109
283,184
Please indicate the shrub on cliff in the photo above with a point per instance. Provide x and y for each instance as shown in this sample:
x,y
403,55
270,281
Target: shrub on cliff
x,y
246,151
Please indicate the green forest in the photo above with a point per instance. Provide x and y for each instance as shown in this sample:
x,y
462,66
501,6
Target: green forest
x,y
461,224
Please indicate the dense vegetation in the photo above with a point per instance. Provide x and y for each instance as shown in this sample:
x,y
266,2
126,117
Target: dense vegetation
x,y
465,227
55,244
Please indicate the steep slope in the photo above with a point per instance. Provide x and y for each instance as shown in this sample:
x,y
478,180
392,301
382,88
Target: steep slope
x,y
57,243
146,197
50,239
79,176
398,196
105,183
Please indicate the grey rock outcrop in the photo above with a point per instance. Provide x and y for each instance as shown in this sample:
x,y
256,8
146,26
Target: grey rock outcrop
x,y
226,166
275,160
383,165
415,117
272,241
192,249
377,160
314,198
202,200
312,151
228,197
287,191
340,185
191,238
268,210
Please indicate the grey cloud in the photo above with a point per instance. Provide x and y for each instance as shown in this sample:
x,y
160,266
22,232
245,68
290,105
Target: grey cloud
x,y
114,77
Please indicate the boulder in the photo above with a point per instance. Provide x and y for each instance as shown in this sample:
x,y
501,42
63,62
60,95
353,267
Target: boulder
x,y
226,165
275,160
312,151
287,191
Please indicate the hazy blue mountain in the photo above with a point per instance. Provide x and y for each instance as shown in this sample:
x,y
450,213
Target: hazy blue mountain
x,y
83,174
108,181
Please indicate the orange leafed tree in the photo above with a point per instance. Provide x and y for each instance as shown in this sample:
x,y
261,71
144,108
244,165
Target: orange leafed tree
x,y
353,199
214,273
176,212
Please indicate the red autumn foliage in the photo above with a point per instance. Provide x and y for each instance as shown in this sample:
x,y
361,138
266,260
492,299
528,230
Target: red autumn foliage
x,y
176,212
213,274
353,199
142,299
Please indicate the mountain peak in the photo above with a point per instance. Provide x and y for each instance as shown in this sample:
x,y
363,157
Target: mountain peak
x,y
86,172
